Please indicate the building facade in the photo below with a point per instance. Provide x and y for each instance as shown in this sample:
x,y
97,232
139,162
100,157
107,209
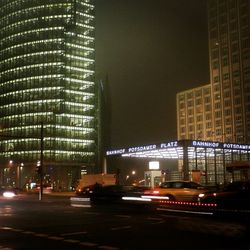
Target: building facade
x,y
47,89
229,60
194,114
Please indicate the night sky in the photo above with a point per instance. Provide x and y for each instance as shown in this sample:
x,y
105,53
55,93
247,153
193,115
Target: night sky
x,y
149,51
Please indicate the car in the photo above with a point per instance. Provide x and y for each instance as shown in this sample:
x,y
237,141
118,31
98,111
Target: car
x,y
8,192
100,193
177,191
110,193
46,189
235,195
137,191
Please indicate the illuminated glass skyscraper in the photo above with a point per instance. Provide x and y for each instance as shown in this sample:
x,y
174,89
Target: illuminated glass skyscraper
x,y
47,79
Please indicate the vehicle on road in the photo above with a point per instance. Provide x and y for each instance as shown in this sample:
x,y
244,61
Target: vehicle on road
x,y
111,193
235,195
177,191
90,180
46,189
8,192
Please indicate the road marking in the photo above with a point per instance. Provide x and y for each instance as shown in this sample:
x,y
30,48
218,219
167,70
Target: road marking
x,y
41,235
79,205
92,213
108,247
184,211
88,244
17,230
74,233
158,222
28,232
6,228
68,212
123,216
55,238
154,218
71,241
120,228
80,199
174,216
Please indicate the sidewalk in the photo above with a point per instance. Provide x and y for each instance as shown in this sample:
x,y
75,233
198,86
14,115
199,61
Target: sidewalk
x,y
68,194
52,193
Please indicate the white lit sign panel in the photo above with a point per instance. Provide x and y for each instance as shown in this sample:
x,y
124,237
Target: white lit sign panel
x,y
154,165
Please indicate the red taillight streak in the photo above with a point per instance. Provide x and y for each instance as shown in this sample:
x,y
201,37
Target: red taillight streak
x,y
190,203
156,192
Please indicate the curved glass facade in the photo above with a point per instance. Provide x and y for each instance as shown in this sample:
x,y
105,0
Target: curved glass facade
x,y
47,77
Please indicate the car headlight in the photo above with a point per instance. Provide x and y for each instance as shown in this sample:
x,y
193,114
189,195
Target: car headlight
x,y
8,194
201,195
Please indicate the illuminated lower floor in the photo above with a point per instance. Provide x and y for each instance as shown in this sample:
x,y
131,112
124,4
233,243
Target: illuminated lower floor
x,y
208,162
26,176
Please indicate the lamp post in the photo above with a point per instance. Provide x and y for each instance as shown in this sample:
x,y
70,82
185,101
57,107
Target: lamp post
x,y
41,165
19,168
134,180
19,175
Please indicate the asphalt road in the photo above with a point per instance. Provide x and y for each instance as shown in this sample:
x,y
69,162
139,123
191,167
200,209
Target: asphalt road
x,y
27,223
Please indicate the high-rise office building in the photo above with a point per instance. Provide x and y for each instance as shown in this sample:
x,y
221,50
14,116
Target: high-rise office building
x,y
229,58
194,113
47,87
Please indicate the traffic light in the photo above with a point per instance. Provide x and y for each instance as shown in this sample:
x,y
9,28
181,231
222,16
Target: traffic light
x,y
38,169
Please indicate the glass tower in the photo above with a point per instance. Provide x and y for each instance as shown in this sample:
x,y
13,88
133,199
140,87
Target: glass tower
x,y
47,86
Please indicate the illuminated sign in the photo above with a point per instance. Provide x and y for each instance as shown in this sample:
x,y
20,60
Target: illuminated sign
x,y
210,144
176,144
236,146
142,148
207,144
116,152
154,165
169,144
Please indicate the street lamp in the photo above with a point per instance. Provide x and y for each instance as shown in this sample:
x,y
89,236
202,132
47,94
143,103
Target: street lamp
x,y
19,175
19,168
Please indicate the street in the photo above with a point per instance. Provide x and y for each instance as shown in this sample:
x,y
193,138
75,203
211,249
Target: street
x,y
27,223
